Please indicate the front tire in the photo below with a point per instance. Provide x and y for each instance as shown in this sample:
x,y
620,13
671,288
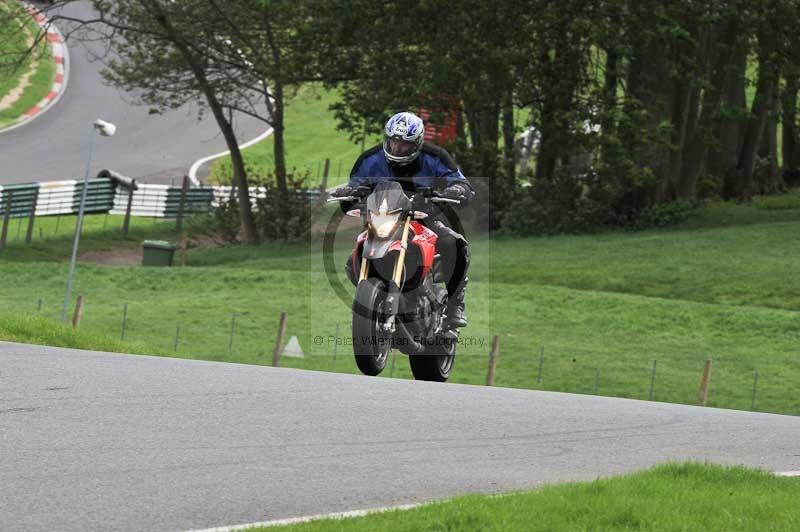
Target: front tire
x,y
371,345
435,363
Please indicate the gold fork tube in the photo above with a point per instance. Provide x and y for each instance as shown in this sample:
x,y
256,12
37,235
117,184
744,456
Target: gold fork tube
x,y
401,257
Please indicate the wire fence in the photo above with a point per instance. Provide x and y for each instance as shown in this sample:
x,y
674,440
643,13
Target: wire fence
x,y
250,336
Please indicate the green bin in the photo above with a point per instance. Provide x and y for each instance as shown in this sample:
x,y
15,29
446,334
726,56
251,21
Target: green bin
x,y
158,253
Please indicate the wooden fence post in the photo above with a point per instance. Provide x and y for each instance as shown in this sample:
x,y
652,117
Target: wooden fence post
x,y
652,394
704,381
76,318
126,224
182,204
6,218
32,217
325,172
276,354
493,361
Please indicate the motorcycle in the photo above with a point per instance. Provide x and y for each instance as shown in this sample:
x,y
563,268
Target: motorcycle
x,y
400,301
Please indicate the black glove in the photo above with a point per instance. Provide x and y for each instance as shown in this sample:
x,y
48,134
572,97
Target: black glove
x,y
457,192
342,192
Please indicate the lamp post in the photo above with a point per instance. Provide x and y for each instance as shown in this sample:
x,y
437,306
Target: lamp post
x,y
105,129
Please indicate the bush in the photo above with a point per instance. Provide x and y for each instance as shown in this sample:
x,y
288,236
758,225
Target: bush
x,y
568,203
228,222
789,200
274,218
659,216
290,220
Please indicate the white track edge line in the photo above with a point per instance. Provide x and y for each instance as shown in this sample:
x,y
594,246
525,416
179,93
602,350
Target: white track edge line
x,y
306,519
200,162
362,513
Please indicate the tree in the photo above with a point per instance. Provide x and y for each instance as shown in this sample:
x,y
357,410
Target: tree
x,y
234,56
161,50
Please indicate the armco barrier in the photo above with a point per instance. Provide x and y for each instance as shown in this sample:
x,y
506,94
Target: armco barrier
x,y
56,197
163,201
222,193
111,192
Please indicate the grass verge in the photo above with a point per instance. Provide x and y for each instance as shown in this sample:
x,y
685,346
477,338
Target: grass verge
x,y
12,47
43,331
672,497
587,314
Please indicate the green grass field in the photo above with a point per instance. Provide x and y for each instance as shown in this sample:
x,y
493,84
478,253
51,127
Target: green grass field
x,y
311,137
601,308
672,497
13,45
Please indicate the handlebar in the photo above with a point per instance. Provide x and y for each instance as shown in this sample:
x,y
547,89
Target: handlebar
x,y
362,192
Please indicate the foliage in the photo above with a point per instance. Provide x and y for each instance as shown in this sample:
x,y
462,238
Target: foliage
x,y
292,222
567,203
276,217
17,60
228,223
782,202
653,91
660,216
664,100
311,137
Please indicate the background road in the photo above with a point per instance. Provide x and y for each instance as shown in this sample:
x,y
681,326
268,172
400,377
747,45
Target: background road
x,y
115,442
154,148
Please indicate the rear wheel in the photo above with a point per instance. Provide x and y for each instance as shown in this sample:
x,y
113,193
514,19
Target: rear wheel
x,y
435,363
371,345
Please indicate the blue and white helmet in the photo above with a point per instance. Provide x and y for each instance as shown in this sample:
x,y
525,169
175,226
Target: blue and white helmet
x,y
402,138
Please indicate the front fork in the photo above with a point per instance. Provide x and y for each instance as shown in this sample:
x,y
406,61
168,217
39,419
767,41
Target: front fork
x,y
392,304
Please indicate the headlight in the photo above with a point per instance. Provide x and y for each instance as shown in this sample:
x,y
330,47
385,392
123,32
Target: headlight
x,y
383,224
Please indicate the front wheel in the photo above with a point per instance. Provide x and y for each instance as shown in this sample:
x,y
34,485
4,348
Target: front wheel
x,y
371,344
435,363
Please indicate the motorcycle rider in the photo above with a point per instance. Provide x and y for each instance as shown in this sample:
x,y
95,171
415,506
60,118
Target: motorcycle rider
x,y
405,157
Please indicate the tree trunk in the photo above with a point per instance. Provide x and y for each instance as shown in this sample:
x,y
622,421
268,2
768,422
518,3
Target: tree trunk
x,y
649,102
610,83
510,151
791,146
770,181
240,182
684,97
279,149
483,120
722,158
759,114
696,148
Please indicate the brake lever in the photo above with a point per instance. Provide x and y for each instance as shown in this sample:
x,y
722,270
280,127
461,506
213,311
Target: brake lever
x,y
445,200
346,198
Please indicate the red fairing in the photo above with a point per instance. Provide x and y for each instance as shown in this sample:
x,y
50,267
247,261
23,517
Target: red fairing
x,y
425,240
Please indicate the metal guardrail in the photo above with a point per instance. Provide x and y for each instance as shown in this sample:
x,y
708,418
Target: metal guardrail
x,y
163,201
223,193
57,197
116,194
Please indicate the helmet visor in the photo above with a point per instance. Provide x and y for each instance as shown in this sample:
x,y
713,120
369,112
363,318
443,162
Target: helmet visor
x,y
400,148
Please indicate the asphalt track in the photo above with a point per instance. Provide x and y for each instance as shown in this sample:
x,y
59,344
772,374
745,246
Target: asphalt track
x,y
153,148
92,441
